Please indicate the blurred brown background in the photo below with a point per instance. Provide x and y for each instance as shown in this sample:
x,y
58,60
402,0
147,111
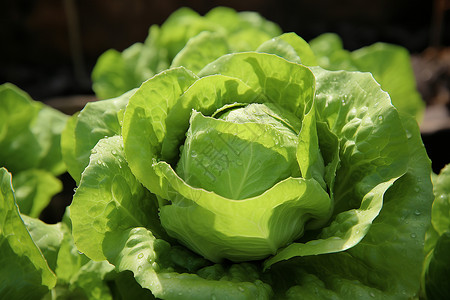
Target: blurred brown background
x,y
49,47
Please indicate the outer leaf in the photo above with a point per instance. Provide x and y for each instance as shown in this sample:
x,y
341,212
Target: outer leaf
x,y
68,142
145,118
201,50
389,64
308,153
281,48
330,53
151,261
283,83
34,189
236,22
346,231
126,287
257,21
96,121
247,39
182,25
17,112
69,260
440,217
47,128
24,273
116,73
291,47
436,266
47,237
112,76
372,137
29,132
438,270
91,280
380,266
153,58
78,277
104,203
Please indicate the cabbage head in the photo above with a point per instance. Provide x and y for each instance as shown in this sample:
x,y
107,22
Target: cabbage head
x,y
254,178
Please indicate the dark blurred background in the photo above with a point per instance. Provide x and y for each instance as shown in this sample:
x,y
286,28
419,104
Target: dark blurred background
x,y
49,47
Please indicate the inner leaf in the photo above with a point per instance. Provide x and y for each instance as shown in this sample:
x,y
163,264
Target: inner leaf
x,y
237,158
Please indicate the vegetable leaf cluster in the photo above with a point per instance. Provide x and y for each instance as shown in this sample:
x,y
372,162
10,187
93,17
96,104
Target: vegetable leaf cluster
x,y
228,161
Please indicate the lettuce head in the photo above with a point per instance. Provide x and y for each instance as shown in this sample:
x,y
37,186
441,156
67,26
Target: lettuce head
x,y
254,178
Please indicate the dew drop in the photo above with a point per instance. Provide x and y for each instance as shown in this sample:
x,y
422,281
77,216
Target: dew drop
x,y
413,235
141,255
114,152
380,118
155,266
139,269
417,212
408,134
239,162
241,289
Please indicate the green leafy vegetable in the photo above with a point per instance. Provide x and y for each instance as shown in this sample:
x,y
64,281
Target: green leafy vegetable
x,y
34,190
96,121
30,134
233,181
185,39
24,273
389,64
217,173
41,261
437,263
